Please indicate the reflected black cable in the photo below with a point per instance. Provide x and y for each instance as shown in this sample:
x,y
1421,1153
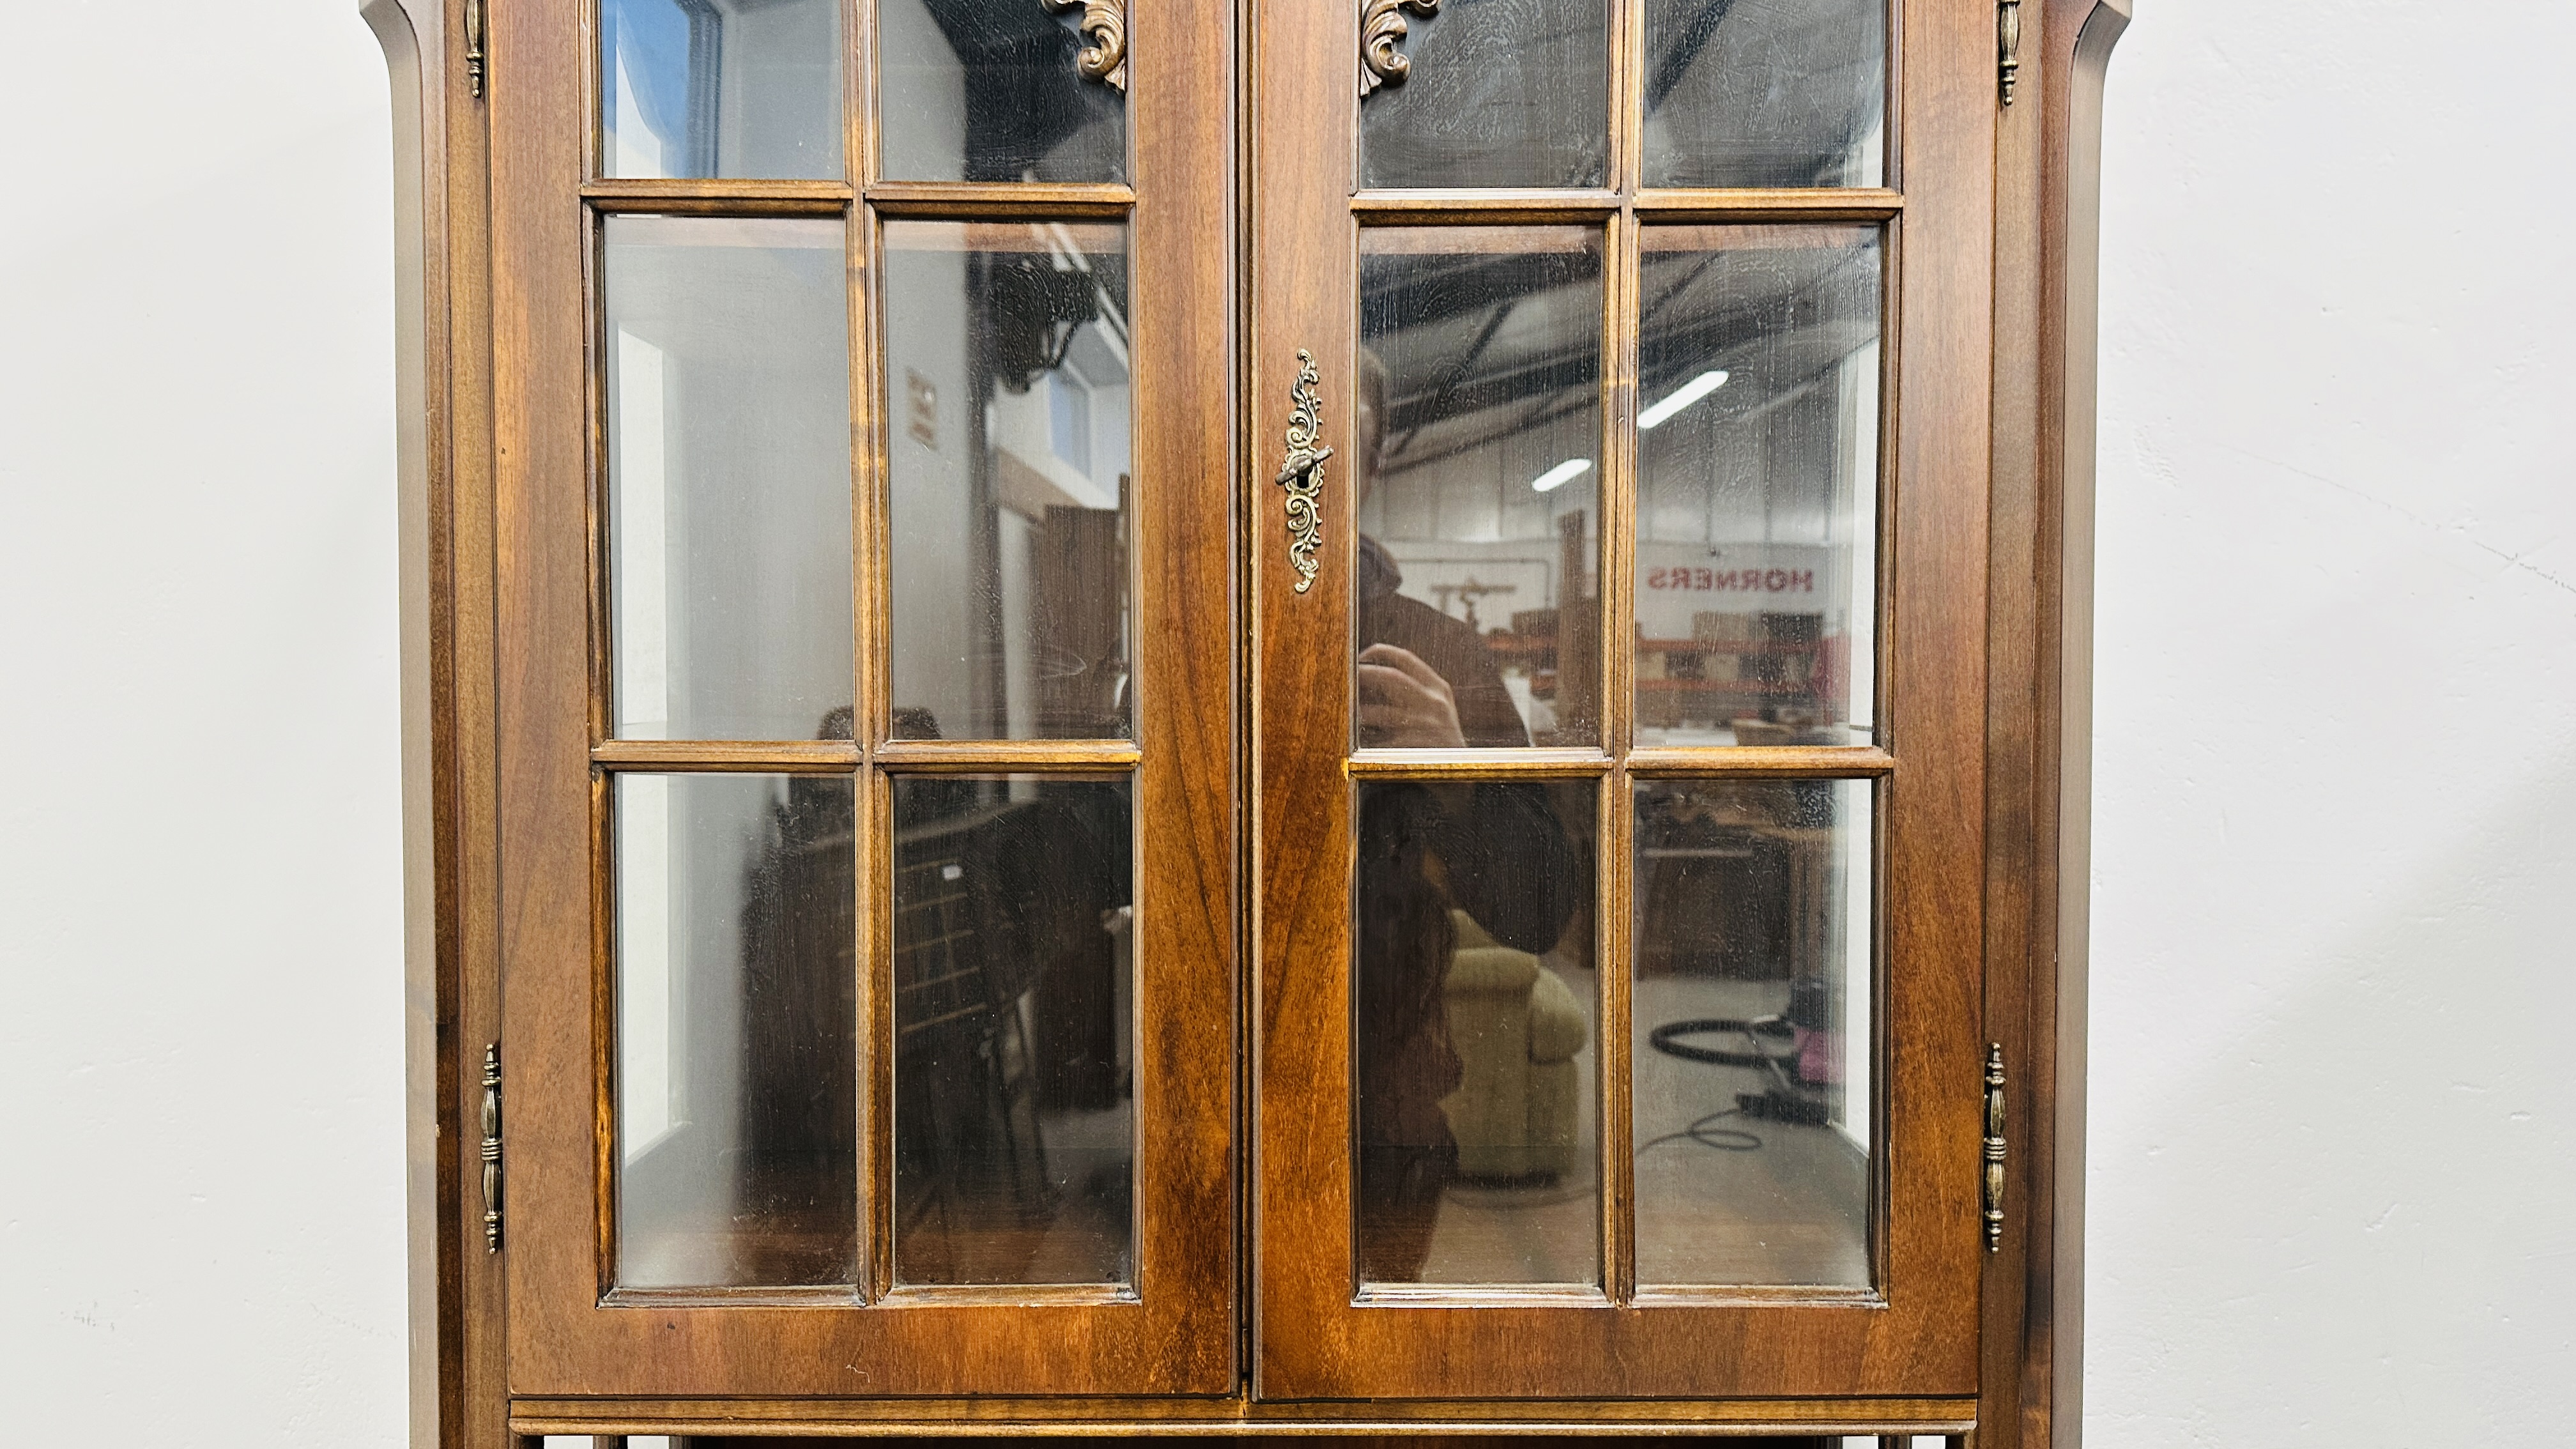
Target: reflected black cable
x,y
1667,1039
1723,1139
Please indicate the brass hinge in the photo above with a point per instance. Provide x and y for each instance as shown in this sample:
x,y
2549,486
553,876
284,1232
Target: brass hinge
x,y
492,1148
474,47
2007,46
1994,1147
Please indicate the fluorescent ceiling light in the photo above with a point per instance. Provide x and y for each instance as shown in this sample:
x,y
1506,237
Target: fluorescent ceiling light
x,y
1682,397
1562,474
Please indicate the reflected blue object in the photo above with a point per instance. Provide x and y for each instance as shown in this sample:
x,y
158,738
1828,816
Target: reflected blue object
x,y
652,48
692,88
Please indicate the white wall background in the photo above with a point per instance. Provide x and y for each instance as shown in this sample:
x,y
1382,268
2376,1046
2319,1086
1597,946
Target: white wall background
x,y
200,984
2334,1132
2333,1152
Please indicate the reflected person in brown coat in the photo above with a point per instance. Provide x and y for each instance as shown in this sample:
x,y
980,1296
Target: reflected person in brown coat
x,y
1496,851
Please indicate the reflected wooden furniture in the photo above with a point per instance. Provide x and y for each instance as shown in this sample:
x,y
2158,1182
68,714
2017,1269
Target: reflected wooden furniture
x,y
1516,1029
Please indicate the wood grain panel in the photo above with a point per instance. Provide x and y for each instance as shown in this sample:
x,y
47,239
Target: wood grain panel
x,y
1175,1333
1918,1333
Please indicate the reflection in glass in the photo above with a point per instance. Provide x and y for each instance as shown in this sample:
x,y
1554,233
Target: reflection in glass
x,y
1788,93
986,90
1006,365
1757,486
1498,93
1477,1129
1014,1096
729,477
1753,1047
1478,411
737,1054
748,88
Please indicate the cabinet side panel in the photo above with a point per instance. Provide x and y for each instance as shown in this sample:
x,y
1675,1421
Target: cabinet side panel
x,y
2091,28
436,1306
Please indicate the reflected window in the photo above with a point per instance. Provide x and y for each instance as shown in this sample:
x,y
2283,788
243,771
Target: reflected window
x,y
729,476
737,1013
748,88
989,90
1478,1132
1479,473
1492,93
1757,486
1752,1103
1009,480
1014,1068
1785,93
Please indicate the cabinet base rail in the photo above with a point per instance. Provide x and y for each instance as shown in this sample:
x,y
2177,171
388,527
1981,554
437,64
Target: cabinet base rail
x,y
1794,1419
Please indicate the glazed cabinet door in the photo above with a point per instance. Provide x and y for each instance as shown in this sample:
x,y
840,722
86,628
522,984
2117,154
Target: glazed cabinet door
x,y
1619,381
865,658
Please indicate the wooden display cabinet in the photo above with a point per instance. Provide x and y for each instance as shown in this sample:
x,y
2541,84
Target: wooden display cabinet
x,y
1319,716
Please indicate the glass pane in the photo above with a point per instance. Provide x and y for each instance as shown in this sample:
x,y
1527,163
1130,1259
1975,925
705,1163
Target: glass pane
x,y
989,90
1478,1131
737,1050
1006,361
746,88
1757,490
1479,433
729,478
1788,93
1014,998
1753,1043
1492,93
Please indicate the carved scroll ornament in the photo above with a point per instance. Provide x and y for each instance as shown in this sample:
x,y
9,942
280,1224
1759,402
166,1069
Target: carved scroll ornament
x,y
1382,24
1105,22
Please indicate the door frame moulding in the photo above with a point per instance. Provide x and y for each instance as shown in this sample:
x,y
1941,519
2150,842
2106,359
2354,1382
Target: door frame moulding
x,y
2038,742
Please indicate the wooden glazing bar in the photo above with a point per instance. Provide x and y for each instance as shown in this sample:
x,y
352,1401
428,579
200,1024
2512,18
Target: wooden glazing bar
x,y
1613,949
873,624
1817,203
1758,1295
1539,764
603,602
1000,198
1614,582
876,1035
874,1070
1520,1295
1616,595
605,1160
721,1297
793,757
1490,205
719,197
871,676
1627,94
1812,762
859,86
1006,1295
945,757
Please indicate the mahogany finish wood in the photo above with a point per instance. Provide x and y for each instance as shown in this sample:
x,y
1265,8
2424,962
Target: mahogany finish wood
x,y
1735,1419
1316,1338
1174,1334
495,557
